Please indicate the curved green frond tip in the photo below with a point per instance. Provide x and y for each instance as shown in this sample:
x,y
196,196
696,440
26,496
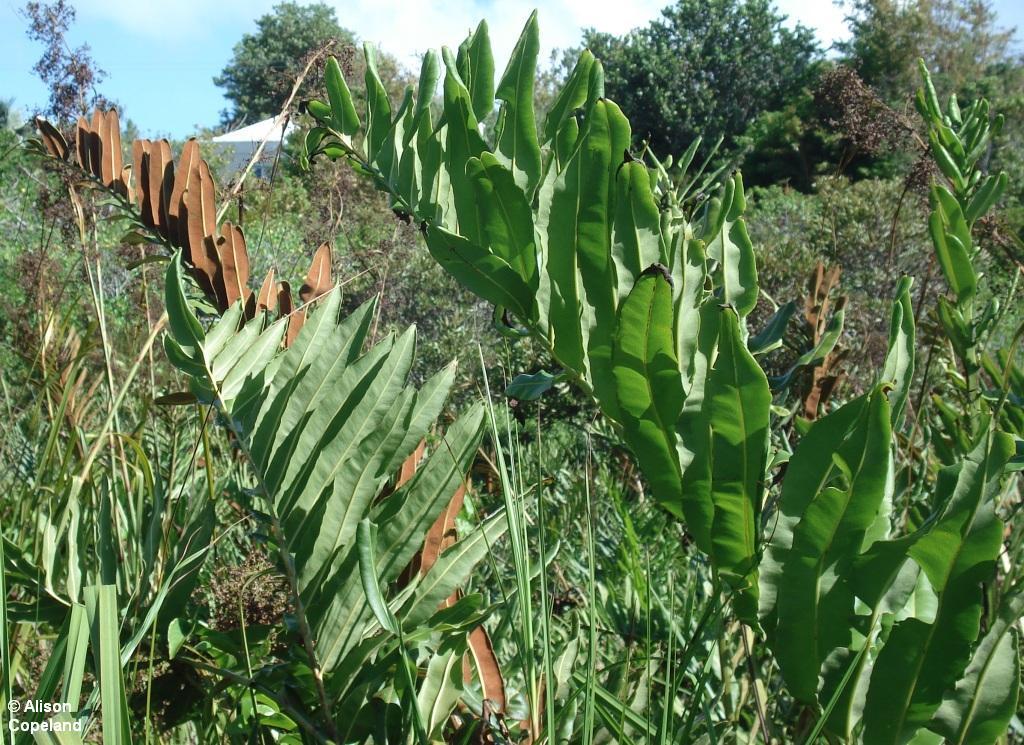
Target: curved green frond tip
x,y
517,142
346,120
476,67
927,93
898,370
729,245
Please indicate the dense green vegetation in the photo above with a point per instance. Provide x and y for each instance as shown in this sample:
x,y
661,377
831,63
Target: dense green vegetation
x,y
564,435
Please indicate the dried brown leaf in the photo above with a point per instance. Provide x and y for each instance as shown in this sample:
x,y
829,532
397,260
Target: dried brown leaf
x,y
492,682
140,177
161,179
266,300
112,144
234,264
286,307
176,228
201,225
83,147
442,533
410,464
105,152
126,184
95,148
318,280
52,139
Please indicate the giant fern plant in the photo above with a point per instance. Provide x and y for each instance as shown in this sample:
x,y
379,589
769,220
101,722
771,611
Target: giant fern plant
x,y
584,245
323,426
560,227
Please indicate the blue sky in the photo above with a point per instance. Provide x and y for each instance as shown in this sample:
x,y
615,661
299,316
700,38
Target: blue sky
x,y
161,56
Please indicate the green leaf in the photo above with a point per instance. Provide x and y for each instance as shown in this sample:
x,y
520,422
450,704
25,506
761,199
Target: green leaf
x,y
480,271
694,342
990,192
105,623
476,67
572,95
422,164
177,635
389,159
700,327
899,360
636,231
952,240
928,95
737,402
729,245
979,709
648,383
813,611
76,651
430,73
181,398
770,337
185,328
955,326
340,609
923,659
517,145
506,216
319,110
378,106
322,495
817,354
323,425
440,691
451,570
366,542
346,120
62,733
462,141
575,217
531,387
945,162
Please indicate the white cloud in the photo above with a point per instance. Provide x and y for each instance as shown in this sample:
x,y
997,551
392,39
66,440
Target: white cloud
x,y
407,29
826,18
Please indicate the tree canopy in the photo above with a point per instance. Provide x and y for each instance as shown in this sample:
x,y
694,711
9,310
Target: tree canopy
x,y
704,68
959,40
264,64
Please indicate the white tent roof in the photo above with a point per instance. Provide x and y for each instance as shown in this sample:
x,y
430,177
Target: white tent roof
x,y
269,129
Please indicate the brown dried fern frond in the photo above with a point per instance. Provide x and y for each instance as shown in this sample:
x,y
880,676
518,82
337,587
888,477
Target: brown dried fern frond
x,y
176,205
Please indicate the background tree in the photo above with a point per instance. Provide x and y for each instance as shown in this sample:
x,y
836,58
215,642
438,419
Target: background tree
x,y
958,39
969,53
704,68
264,64
10,118
69,73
